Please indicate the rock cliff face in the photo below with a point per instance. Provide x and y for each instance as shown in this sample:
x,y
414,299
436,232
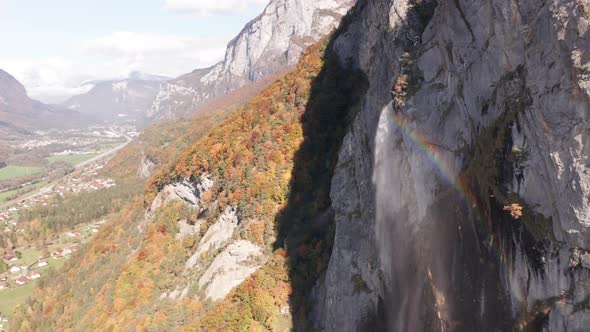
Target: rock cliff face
x,y
272,41
220,261
474,107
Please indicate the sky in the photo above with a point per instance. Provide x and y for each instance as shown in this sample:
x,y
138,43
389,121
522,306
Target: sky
x,y
54,46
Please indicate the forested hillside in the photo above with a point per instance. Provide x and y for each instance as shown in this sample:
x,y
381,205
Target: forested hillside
x,y
271,161
160,145
423,169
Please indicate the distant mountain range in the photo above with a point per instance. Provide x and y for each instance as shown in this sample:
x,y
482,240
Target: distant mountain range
x,y
21,115
119,100
266,47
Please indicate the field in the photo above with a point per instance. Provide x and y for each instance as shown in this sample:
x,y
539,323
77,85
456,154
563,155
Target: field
x,y
10,298
12,172
4,196
72,159
29,255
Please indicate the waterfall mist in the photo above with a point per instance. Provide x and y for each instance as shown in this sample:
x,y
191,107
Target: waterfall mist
x,y
438,274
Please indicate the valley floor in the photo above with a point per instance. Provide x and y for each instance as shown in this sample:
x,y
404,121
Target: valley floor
x,y
25,271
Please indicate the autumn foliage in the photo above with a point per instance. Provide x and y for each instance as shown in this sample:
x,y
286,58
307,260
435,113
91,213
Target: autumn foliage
x,y
162,143
273,159
515,210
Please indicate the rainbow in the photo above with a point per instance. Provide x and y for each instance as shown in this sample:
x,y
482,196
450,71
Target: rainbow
x,y
434,153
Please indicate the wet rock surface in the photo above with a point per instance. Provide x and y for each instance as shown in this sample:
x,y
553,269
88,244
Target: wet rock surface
x,y
489,109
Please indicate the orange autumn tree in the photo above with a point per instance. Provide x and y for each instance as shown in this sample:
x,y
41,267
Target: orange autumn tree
x,y
273,159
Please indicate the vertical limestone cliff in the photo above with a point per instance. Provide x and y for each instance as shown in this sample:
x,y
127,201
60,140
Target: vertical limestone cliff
x,y
461,193
271,42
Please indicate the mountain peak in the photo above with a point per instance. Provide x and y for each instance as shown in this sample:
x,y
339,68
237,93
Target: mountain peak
x,y
272,41
125,99
141,76
19,113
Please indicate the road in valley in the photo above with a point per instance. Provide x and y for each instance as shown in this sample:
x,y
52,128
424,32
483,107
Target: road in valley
x,y
107,153
48,188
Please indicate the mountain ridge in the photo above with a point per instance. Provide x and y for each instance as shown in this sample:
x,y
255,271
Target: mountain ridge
x,y
20,115
272,41
424,168
118,100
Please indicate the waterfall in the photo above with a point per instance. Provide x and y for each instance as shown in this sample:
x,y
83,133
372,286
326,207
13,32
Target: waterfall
x,y
394,228
428,237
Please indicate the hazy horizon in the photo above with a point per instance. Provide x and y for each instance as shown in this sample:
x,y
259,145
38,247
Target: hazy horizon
x,y
54,47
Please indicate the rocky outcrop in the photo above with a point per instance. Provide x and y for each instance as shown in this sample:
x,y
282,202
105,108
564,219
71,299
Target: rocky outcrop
x,y
472,106
230,268
220,231
185,190
218,263
272,41
146,167
216,235
187,230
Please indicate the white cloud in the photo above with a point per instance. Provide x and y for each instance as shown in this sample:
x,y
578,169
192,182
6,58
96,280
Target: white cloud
x,y
114,56
156,53
212,7
126,43
50,80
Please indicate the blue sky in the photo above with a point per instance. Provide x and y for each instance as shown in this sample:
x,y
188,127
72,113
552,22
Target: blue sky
x,y
52,46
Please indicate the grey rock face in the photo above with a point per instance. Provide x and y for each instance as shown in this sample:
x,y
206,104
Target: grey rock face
x,y
217,234
229,269
219,262
499,81
272,41
146,167
577,320
187,230
185,190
